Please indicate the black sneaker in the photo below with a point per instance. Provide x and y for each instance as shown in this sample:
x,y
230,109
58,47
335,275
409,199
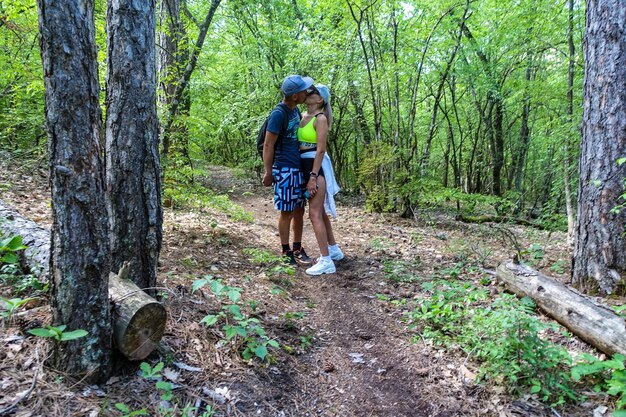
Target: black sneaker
x,y
289,258
301,257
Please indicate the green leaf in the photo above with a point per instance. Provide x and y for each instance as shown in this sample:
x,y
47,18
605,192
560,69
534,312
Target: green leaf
x,y
261,352
123,408
234,295
158,367
241,331
619,413
217,287
9,258
42,333
197,284
621,161
13,244
210,320
230,332
235,310
273,343
75,334
164,385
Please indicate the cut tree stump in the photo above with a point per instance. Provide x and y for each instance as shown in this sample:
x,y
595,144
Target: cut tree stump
x,y
591,321
138,319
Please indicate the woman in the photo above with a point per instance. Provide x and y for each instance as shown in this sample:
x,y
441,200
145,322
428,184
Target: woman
x,y
319,176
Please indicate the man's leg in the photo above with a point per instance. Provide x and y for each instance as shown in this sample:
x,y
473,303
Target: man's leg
x,y
298,224
284,221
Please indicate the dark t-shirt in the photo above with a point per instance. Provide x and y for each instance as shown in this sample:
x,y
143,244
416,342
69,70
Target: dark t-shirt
x,y
286,150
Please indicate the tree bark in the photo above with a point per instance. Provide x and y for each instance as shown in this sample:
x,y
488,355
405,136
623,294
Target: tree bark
x,y
592,322
599,260
79,261
133,167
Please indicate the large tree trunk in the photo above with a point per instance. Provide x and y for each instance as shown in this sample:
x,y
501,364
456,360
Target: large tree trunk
x,y
599,262
79,261
594,323
133,167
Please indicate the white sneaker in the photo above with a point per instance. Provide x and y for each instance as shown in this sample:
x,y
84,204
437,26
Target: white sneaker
x,y
323,266
335,253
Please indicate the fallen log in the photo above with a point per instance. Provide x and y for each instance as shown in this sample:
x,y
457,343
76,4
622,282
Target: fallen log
x,y
138,319
36,256
591,321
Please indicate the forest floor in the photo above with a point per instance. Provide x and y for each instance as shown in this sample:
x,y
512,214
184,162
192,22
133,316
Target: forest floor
x,y
347,351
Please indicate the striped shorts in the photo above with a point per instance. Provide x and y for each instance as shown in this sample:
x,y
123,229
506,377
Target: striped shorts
x,y
288,192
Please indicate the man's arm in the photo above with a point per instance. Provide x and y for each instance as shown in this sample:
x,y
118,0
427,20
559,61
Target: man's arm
x,y
268,156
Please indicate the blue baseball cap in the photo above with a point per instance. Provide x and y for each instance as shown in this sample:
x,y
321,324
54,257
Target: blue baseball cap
x,y
294,84
324,92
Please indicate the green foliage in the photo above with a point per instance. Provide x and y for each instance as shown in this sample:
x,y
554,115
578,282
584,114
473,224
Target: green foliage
x,y
11,273
274,265
606,376
245,332
291,318
558,267
58,333
10,306
401,271
166,394
503,335
126,412
9,249
381,244
182,190
535,254
375,175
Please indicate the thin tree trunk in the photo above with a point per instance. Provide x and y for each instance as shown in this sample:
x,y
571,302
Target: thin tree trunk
x,y
599,262
183,82
567,161
133,167
79,254
442,81
368,67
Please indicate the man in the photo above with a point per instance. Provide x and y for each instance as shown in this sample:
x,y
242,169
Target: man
x,y
281,158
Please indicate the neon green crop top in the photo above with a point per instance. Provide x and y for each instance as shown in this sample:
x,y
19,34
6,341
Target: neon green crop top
x,y
307,133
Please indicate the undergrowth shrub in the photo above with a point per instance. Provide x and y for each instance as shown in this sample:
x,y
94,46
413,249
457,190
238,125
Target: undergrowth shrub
x,y
245,332
503,335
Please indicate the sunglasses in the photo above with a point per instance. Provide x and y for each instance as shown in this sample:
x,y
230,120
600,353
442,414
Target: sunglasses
x,y
311,90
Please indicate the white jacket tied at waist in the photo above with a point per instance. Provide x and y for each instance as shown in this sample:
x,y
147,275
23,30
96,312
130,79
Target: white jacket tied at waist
x,y
332,187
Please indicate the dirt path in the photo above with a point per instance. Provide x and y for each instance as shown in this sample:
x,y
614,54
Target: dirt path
x,y
363,362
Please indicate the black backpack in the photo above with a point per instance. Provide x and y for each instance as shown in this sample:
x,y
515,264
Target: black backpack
x,y
260,137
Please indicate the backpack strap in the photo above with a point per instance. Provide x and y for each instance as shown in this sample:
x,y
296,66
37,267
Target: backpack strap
x,y
320,113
